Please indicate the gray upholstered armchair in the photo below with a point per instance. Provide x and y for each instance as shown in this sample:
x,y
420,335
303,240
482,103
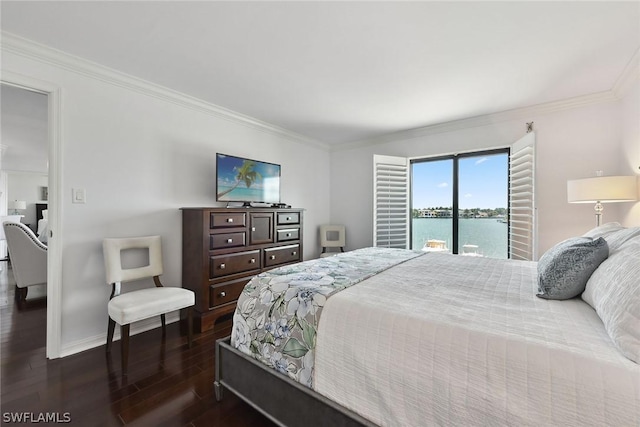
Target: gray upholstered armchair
x,y
28,257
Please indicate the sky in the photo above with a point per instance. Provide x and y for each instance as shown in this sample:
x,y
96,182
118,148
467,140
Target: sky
x,y
483,182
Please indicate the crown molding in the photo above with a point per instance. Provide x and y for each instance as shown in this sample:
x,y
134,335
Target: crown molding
x,y
484,120
629,76
36,51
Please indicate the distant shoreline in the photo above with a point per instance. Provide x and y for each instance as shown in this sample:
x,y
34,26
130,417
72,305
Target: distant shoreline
x,y
462,217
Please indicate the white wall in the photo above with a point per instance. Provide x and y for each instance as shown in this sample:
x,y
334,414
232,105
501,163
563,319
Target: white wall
x,y
24,130
26,186
631,149
570,144
140,158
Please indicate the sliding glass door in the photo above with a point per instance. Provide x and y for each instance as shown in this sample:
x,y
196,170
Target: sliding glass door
x,y
459,204
431,205
483,182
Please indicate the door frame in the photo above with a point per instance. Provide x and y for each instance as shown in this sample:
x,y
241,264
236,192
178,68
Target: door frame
x,y
54,245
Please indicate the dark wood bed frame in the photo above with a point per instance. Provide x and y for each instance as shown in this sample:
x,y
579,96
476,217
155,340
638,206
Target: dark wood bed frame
x,y
39,208
276,396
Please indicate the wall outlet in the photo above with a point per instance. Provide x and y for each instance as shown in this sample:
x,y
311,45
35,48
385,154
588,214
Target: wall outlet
x,y
78,195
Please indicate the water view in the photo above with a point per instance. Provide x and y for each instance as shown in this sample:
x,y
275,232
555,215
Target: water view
x,y
488,234
478,183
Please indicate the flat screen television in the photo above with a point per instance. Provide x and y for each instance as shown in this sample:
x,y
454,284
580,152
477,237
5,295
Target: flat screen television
x,y
245,180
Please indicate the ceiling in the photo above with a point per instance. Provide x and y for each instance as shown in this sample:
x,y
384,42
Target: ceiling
x,y
347,71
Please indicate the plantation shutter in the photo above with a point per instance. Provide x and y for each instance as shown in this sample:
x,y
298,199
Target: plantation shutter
x,y
390,202
522,209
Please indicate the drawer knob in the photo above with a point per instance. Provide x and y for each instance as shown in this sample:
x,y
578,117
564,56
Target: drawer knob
x,y
223,294
222,266
288,218
272,257
252,261
229,219
253,229
288,234
229,240
294,253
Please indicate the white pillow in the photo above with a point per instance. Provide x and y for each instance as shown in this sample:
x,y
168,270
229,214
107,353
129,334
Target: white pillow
x,y
616,239
45,214
614,291
604,230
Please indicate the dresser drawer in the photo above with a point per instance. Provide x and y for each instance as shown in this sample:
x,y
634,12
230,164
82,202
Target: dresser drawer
x,y
288,234
288,218
226,292
226,240
223,265
227,220
281,255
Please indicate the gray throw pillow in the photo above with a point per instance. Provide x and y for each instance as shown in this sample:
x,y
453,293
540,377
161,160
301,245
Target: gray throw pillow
x,y
563,271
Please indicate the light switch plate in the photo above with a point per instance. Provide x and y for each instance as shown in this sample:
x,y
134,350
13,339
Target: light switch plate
x,y
78,195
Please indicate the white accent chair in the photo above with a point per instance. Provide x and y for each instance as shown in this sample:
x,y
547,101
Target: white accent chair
x,y
28,257
133,306
332,238
3,219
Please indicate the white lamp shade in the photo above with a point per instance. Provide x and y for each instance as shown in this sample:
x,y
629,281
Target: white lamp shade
x,y
604,189
19,205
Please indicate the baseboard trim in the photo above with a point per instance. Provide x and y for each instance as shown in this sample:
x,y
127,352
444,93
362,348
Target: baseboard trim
x,y
98,340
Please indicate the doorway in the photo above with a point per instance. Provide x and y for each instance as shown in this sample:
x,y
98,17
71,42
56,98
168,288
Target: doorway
x,y
23,180
53,159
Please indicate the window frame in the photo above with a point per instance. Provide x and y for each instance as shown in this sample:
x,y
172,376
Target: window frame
x,y
522,209
455,190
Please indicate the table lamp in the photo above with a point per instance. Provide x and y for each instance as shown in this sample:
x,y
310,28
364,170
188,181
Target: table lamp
x,y
602,189
18,205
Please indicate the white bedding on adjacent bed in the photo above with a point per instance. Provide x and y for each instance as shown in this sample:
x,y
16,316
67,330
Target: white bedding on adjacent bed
x,y
466,342
43,230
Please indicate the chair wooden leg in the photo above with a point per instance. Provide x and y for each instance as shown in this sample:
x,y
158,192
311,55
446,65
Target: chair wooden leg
x,y
110,329
124,340
21,294
164,324
190,325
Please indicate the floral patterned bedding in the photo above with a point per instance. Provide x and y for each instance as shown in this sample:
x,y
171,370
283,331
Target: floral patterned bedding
x,y
277,315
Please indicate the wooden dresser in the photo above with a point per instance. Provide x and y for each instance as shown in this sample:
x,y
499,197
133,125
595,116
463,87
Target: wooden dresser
x,y
223,248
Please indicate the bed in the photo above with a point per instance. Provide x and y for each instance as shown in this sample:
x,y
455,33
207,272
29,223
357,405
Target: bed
x,y
409,339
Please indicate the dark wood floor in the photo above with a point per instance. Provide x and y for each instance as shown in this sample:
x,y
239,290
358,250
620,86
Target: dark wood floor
x,y
168,383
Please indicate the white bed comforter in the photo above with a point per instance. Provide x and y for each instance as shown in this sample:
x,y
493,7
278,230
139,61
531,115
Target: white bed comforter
x,y
451,340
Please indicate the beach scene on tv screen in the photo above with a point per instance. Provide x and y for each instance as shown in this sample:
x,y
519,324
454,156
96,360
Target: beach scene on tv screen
x,y
244,180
